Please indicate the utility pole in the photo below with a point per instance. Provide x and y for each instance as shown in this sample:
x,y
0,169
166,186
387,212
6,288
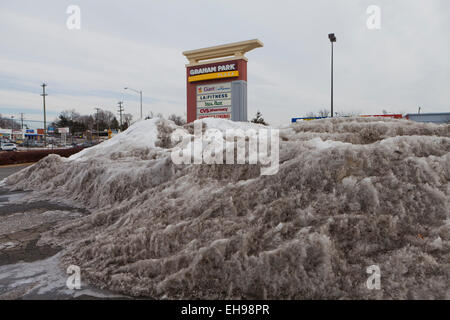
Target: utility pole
x,y
98,134
12,127
45,116
120,112
21,119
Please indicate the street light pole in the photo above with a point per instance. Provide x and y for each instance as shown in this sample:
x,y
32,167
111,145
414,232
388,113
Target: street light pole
x,y
45,116
332,38
332,78
140,94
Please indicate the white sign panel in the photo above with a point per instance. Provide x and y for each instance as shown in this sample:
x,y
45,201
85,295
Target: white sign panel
x,y
19,133
214,110
214,88
214,100
63,130
222,116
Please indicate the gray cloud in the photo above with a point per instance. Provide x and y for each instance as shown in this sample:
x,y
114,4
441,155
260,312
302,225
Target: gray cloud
x,y
399,67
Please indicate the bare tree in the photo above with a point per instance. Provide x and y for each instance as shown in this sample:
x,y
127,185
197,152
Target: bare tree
x,y
87,121
104,118
321,113
259,119
127,118
324,113
179,120
150,116
8,123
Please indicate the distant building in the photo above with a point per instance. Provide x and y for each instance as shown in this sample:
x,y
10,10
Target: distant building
x,y
5,133
441,117
8,134
394,116
34,134
294,120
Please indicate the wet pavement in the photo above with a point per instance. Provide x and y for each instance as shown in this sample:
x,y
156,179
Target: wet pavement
x,y
44,280
22,222
29,270
10,169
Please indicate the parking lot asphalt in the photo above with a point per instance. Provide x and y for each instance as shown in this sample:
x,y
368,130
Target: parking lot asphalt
x,y
8,170
30,270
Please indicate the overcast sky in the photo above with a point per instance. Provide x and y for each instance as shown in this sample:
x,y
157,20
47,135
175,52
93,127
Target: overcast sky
x,y
399,67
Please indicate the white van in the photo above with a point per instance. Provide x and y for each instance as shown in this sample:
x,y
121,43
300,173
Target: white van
x,y
8,147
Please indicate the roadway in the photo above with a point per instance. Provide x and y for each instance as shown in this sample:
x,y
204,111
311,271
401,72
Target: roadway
x,y
30,270
8,170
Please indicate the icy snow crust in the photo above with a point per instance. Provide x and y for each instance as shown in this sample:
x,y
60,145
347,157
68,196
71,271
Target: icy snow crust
x,y
349,193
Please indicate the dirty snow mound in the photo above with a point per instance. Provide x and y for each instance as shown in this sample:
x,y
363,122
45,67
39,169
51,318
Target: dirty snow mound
x,y
350,193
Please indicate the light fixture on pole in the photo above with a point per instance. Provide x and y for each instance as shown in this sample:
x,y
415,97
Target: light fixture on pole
x,y
332,38
137,91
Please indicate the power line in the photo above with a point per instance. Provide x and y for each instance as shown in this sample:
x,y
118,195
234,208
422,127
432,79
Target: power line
x,y
29,120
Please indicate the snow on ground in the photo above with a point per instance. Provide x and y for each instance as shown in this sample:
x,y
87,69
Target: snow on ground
x,y
42,279
142,134
349,193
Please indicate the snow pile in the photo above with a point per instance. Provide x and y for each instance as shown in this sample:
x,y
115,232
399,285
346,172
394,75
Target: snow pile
x,y
41,280
129,141
349,194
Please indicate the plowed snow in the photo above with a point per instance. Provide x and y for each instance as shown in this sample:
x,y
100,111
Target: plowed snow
x,y
350,193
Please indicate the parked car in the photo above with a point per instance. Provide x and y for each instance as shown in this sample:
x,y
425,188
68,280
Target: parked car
x,y
38,144
9,147
86,144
